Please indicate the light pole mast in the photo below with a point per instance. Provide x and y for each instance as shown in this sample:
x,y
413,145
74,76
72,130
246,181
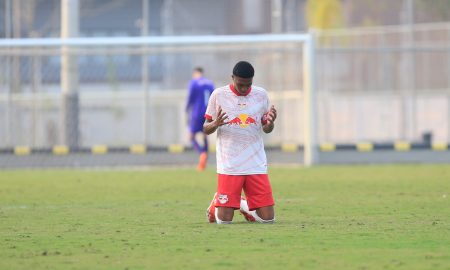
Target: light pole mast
x,y
145,69
69,74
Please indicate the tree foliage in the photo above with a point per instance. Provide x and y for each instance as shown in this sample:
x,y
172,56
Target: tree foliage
x,y
324,14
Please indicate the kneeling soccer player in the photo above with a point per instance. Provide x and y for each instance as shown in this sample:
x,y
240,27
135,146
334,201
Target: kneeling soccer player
x,y
240,113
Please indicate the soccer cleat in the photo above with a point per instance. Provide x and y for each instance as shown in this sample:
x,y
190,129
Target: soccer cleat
x,y
245,211
202,161
211,210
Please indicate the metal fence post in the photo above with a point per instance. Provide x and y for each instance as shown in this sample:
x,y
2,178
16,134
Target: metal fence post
x,y
310,101
69,75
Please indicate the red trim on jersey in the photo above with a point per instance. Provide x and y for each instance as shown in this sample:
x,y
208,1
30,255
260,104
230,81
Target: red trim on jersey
x,y
237,93
207,116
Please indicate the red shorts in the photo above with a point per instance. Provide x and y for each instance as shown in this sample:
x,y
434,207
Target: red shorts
x,y
257,190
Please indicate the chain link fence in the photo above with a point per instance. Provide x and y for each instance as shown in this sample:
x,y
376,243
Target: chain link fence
x,y
384,84
374,85
126,95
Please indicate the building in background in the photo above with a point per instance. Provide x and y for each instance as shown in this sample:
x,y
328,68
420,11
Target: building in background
x,y
119,18
165,17
30,18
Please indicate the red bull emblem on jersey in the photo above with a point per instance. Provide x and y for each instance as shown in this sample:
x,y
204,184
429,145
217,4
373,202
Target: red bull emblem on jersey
x,y
243,120
222,198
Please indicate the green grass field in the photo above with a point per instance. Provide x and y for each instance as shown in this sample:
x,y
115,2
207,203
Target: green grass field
x,y
346,217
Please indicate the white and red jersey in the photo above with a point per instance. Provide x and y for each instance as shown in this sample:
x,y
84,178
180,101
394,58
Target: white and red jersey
x,y
239,144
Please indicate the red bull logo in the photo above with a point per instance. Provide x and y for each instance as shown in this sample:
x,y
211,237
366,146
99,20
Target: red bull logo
x,y
243,120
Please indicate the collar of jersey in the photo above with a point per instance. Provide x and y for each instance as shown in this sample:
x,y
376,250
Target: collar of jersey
x,y
237,93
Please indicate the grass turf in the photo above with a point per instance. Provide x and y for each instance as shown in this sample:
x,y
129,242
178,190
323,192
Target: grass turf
x,y
346,217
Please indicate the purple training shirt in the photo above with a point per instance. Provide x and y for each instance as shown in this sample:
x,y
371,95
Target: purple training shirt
x,y
199,92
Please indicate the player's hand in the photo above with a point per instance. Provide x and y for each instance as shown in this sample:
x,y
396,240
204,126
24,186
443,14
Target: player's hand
x,y
271,115
222,118
268,120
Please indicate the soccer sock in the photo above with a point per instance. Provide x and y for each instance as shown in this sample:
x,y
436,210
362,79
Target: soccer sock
x,y
197,146
205,144
218,220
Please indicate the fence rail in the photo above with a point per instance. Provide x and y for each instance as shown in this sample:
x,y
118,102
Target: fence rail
x,y
374,85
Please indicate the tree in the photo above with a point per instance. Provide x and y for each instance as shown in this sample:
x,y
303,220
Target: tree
x,y
324,14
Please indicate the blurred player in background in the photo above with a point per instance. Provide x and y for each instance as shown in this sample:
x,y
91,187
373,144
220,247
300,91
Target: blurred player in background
x,y
240,113
200,89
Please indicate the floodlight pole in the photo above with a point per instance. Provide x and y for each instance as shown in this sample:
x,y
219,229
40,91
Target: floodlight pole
x,y
69,74
310,102
276,22
145,69
8,71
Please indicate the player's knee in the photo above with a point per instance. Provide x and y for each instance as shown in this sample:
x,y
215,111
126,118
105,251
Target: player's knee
x,y
267,219
219,221
224,215
266,213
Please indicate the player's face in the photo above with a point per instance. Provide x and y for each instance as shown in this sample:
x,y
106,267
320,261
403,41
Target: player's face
x,y
242,84
196,74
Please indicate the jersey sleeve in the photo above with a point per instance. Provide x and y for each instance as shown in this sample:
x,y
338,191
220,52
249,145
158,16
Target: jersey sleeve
x,y
211,113
190,98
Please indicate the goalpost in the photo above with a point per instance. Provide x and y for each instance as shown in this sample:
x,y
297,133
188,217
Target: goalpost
x,y
261,43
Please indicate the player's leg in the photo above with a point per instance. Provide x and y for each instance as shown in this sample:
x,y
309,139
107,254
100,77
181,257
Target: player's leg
x,y
229,188
205,143
259,197
194,142
261,214
211,210
213,216
195,128
266,213
224,215
203,159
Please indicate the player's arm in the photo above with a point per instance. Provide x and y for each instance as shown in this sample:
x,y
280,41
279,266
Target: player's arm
x,y
269,119
210,125
190,99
